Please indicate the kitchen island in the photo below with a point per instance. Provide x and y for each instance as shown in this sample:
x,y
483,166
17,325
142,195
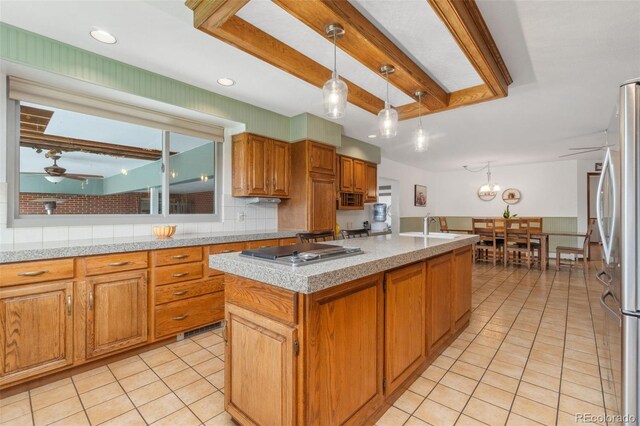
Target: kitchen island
x,y
337,342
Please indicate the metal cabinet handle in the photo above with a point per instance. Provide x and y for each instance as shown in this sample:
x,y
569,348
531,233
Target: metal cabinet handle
x,y
606,281
606,307
180,256
32,273
180,293
69,305
224,330
90,300
118,263
181,274
265,246
227,251
180,317
275,181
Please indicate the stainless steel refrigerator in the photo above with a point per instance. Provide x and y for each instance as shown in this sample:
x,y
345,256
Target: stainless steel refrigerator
x,y
618,216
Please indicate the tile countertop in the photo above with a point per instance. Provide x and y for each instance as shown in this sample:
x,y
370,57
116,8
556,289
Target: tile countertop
x,y
381,253
88,247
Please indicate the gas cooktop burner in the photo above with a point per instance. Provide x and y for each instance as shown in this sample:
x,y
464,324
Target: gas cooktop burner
x,y
302,254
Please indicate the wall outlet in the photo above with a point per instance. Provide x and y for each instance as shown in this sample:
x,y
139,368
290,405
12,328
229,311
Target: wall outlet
x,y
241,216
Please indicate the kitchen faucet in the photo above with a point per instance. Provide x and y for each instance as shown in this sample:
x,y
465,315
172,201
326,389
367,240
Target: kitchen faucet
x,y
427,220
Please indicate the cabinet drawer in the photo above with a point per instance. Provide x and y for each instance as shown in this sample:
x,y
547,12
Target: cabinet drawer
x,y
288,241
177,255
223,248
33,272
178,273
96,265
172,292
262,244
183,315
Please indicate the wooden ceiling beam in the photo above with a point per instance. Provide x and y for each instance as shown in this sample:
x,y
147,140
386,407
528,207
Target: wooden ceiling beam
x,y
256,42
214,13
457,99
466,24
368,45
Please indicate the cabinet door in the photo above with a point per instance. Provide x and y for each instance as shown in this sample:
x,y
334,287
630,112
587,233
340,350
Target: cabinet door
x,y
259,175
346,174
371,176
37,329
259,351
322,203
280,168
116,312
439,272
240,165
322,159
405,324
359,180
344,347
463,263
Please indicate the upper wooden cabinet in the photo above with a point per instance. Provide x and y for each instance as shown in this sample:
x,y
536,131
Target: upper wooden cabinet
x,y
371,183
37,329
261,167
312,202
359,179
346,173
116,312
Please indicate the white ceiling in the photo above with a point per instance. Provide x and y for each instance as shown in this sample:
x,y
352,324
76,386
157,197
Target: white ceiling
x,y
566,58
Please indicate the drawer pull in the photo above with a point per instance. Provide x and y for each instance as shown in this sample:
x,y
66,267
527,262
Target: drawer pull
x,y
180,293
180,256
181,274
69,305
31,274
180,317
265,246
227,251
118,263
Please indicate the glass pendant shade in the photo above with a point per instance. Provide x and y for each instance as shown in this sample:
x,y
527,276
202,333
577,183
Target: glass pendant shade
x,y
388,122
421,140
335,93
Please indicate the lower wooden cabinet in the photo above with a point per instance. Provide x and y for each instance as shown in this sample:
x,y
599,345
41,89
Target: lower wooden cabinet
x,y
461,282
439,300
260,353
183,315
116,312
37,329
404,330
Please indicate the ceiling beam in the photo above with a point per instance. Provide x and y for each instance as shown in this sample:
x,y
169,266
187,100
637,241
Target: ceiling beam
x,y
214,12
368,45
466,24
256,42
457,99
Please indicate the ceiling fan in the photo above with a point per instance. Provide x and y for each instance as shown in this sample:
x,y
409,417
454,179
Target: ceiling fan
x,y
588,149
55,173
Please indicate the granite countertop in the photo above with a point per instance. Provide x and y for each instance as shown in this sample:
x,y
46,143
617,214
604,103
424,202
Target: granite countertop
x,y
381,253
88,247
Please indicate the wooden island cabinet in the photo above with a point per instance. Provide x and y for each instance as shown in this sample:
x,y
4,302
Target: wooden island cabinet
x,y
343,354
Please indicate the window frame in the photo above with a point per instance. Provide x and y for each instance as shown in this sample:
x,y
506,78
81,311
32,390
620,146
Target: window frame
x,y
15,220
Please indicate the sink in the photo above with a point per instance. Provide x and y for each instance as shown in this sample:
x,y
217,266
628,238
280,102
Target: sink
x,y
440,235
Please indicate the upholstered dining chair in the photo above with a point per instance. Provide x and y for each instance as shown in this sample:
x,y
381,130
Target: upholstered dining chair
x,y
314,237
354,233
578,252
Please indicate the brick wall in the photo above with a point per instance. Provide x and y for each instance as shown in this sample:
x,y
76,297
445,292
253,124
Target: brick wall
x,y
128,203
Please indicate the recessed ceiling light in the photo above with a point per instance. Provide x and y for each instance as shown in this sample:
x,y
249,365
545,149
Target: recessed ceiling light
x,y
103,36
226,82
372,136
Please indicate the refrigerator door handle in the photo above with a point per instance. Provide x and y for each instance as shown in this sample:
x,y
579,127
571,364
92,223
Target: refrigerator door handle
x,y
606,237
606,307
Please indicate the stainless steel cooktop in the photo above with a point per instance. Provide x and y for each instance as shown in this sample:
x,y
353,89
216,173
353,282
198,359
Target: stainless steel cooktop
x,y
302,254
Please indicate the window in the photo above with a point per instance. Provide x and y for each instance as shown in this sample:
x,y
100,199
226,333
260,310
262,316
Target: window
x,y
78,162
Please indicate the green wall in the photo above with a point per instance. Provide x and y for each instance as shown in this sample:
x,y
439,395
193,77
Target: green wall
x,y
355,148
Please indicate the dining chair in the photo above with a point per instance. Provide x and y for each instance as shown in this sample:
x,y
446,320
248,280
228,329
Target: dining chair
x,y
314,237
576,251
443,224
534,226
517,242
354,233
489,242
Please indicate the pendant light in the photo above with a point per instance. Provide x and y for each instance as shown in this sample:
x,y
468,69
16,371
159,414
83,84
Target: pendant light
x,y
335,91
388,117
420,139
489,186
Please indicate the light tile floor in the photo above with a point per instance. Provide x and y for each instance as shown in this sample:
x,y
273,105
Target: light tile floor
x,y
532,355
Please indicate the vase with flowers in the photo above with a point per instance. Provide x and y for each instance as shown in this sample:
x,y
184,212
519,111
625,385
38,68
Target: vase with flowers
x,y
507,214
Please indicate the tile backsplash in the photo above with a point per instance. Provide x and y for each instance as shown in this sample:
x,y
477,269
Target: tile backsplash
x,y
237,215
